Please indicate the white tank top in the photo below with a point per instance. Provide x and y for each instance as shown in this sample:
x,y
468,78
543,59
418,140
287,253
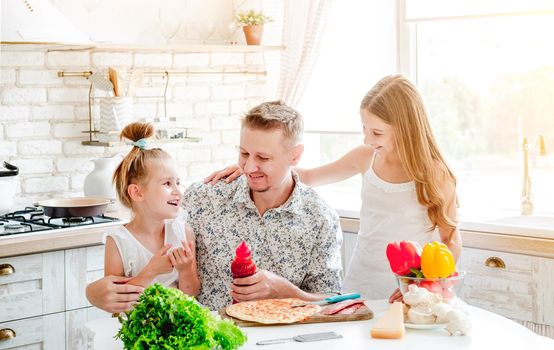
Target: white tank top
x,y
390,212
135,256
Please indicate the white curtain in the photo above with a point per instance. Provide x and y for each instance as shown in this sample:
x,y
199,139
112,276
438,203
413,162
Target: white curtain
x,y
303,26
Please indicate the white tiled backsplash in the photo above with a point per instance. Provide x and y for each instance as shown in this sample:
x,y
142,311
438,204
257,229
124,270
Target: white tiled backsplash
x,y
42,116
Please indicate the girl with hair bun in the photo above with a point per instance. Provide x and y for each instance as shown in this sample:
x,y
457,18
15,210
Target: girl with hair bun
x,y
147,183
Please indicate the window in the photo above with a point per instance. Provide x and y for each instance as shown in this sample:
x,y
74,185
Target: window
x,y
486,73
357,50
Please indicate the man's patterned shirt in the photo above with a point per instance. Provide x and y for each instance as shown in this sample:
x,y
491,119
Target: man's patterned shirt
x,y
300,240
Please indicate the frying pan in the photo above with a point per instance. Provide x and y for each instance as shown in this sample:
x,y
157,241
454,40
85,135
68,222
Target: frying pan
x,y
74,207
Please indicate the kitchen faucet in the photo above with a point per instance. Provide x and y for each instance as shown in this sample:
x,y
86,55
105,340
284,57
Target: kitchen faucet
x,y
526,194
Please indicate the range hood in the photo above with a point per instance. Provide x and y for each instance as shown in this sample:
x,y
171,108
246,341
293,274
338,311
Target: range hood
x,y
37,23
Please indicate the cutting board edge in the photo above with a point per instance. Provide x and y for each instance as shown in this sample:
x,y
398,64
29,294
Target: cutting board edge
x,y
364,314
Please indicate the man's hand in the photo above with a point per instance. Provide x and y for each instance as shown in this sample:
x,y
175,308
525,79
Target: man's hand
x,y
183,258
112,294
261,285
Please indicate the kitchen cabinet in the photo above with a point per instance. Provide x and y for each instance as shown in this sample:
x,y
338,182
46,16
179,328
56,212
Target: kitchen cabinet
x,y
520,287
43,301
30,285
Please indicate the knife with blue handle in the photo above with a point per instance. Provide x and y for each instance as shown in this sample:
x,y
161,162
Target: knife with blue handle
x,y
329,300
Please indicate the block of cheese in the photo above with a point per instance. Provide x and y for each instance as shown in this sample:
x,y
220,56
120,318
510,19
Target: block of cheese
x,y
391,325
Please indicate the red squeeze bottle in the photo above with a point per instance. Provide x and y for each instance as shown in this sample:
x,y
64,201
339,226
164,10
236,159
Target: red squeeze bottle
x,y
243,265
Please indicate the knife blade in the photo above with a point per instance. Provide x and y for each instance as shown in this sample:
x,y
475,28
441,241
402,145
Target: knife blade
x,y
329,300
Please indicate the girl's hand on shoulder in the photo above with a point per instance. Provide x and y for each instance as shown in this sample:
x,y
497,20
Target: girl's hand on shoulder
x,y
160,262
183,258
230,173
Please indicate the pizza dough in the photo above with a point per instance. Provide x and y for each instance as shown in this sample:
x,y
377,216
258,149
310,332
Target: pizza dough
x,y
272,311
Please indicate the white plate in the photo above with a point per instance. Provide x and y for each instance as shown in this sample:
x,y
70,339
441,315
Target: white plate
x,y
425,326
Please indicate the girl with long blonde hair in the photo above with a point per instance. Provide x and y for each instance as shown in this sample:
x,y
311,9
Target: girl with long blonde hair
x,y
408,190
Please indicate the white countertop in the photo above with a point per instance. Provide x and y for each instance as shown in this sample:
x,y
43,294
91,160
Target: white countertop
x,y
489,331
539,225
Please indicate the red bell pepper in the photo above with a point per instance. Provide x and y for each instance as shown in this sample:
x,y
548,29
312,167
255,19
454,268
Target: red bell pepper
x,y
403,256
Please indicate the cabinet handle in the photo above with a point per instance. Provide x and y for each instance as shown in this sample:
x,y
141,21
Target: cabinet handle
x,y
495,262
6,334
6,269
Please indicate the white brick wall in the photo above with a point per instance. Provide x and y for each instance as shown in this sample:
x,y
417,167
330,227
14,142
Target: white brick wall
x,y
23,96
7,76
51,112
42,116
69,165
45,184
69,130
38,77
34,166
66,59
15,113
27,130
191,60
21,59
74,94
106,59
8,149
39,147
153,60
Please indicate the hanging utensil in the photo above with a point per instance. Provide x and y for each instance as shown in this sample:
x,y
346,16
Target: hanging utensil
x,y
135,79
114,78
100,82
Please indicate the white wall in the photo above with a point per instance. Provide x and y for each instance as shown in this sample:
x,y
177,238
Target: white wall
x,y
42,116
139,21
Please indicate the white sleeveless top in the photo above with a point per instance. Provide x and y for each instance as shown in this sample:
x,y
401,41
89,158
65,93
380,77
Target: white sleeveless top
x,y
390,212
135,256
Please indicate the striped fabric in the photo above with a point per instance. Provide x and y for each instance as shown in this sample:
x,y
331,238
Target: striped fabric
x,y
303,28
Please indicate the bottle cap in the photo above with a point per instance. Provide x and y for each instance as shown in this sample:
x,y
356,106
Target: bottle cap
x,y
243,251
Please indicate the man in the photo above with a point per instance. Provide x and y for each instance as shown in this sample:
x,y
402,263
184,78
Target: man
x,y
294,235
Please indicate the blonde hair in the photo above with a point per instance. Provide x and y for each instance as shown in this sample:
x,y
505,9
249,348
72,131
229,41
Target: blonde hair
x,y
133,168
276,115
397,102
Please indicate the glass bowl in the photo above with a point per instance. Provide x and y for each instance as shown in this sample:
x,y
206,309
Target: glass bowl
x,y
448,287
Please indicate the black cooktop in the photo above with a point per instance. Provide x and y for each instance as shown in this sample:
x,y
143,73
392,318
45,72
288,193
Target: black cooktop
x,y
32,219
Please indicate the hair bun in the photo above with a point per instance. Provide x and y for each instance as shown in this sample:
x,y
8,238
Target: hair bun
x,y
137,130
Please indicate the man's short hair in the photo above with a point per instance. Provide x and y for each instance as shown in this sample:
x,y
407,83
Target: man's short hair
x,y
276,115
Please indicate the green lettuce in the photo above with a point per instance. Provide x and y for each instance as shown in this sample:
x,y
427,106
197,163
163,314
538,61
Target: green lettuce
x,y
166,318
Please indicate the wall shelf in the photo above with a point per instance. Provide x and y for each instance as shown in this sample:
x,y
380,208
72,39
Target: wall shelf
x,y
184,48
119,143
176,48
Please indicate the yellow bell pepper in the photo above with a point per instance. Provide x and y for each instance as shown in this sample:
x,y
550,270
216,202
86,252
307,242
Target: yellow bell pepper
x,y
437,261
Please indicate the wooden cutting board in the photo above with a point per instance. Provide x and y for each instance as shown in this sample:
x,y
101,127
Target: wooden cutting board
x,y
363,313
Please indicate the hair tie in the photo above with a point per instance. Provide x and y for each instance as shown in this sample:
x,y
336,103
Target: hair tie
x,y
141,144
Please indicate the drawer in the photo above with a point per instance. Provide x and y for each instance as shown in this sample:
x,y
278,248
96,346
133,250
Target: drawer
x,y
33,286
507,290
44,332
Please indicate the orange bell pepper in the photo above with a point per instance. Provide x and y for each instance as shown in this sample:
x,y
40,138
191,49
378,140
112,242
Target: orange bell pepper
x,y
437,261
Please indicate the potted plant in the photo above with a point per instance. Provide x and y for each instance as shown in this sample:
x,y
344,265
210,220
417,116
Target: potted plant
x,y
252,24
